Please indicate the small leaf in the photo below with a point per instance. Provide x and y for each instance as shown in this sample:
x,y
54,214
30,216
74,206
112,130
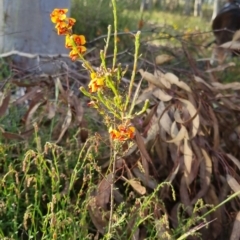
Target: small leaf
x,y
4,102
188,159
66,124
136,185
194,114
180,136
163,58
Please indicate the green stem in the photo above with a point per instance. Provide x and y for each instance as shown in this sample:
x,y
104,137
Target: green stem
x,y
115,32
107,42
105,103
137,44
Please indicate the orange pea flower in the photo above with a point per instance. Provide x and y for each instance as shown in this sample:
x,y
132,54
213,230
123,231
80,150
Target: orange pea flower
x,y
68,41
78,40
71,21
62,28
114,134
96,82
123,133
58,15
74,54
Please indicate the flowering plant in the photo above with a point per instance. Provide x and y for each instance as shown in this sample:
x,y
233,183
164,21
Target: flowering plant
x,y
104,86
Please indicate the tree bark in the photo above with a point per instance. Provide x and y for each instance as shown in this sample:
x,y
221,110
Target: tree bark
x,y
198,8
187,7
215,8
25,26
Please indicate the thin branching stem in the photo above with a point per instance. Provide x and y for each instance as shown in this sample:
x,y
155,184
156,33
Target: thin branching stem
x,y
115,33
137,44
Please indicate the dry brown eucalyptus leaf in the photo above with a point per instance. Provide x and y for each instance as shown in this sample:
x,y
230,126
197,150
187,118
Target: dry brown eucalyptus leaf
x,y
234,160
161,78
236,228
180,136
165,120
104,191
236,36
184,196
77,105
161,147
226,86
163,58
188,159
29,95
194,115
211,198
51,109
11,136
173,173
146,94
99,218
215,129
220,68
4,102
233,45
200,80
205,172
161,95
150,182
136,185
234,185
144,154
66,124
30,113
173,79
174,130
151,78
